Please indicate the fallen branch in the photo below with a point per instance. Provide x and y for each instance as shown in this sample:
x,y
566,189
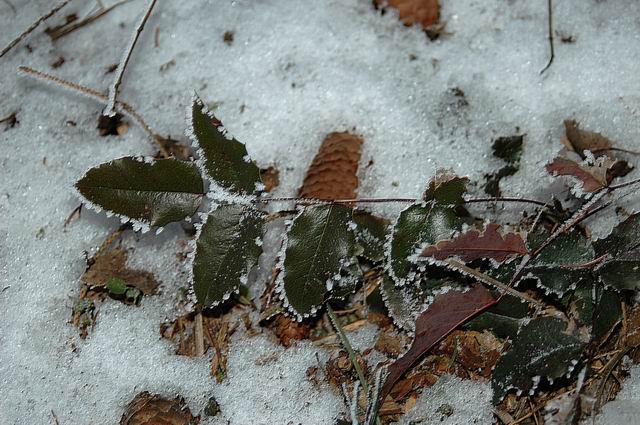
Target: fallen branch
x,y
62,30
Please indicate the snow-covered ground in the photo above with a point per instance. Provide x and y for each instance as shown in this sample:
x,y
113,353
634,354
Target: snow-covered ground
x,y
296,70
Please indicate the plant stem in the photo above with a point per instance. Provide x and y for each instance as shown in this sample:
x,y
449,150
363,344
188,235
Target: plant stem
x,y
113,90
347,346
34,26
198,334
550,35
312,201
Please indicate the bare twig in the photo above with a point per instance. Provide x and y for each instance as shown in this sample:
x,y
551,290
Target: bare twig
x,y
311,201
59,32
484,278
113,90
34,26
550,30
199,334
120,106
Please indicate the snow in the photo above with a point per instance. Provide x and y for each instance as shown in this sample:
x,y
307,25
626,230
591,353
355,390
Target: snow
x,y
626,407
295,72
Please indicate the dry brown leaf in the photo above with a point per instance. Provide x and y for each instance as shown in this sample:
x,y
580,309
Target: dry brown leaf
x,y
113,264
333,172
473,350
593,177
289,330
473,244
148,409
580,140
270,177
423,12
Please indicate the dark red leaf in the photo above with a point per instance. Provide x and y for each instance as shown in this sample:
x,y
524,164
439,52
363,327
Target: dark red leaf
x,y
593,178
443,316
474,244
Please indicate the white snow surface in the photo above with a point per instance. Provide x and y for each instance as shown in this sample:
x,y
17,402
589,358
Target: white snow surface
x,y
295,71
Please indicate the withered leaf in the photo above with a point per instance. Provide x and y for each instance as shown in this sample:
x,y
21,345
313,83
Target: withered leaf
x,y
580,140
270,178
148,409
473,244
113,264
423,12
592,177
446,313
333,172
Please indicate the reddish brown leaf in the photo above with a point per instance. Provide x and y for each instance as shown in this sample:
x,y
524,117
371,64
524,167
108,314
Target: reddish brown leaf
x,y
113,264
270,177
445,314
333,172
423,12
148,409
474,244
593,177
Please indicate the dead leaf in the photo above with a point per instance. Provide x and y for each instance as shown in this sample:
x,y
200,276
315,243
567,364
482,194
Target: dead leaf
x,y
473,244
593,177
580,140
270,177
289,330
333,172
446,313
113,264
389,344
422,12
473,350
148,409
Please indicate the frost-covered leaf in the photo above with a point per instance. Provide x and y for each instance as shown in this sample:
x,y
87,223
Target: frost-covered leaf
x,y
555,266
154,193
224,159
474,244
318,243
504,319
544,347
350,277
446,188
333,173
417,226
402,302
227,247
621,269
148,409
448,311
590,177
596,307
371,232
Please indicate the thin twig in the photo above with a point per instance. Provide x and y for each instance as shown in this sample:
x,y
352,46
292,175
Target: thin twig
x,y
198,334
34,26
550,29
595,151
507,199
484,278
113,90
312,201
63,30
121,106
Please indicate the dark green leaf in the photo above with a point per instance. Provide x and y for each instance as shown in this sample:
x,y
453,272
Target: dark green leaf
x,y
403,302
446,189
503,319
318,243
225,160
417,226
544,347
621,270
155,193
227,247
350,277
600,313
371,234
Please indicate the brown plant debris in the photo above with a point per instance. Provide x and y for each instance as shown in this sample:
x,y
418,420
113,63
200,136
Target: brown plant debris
x,y
112,126
340,369
270,177
150,409
289,330
333,172
474,244
10,121
579,140
592,177
422,12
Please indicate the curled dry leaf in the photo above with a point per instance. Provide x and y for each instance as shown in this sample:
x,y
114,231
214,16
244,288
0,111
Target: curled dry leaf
x,y
270,178
473,244
580,140
333,172
148,409
423,12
